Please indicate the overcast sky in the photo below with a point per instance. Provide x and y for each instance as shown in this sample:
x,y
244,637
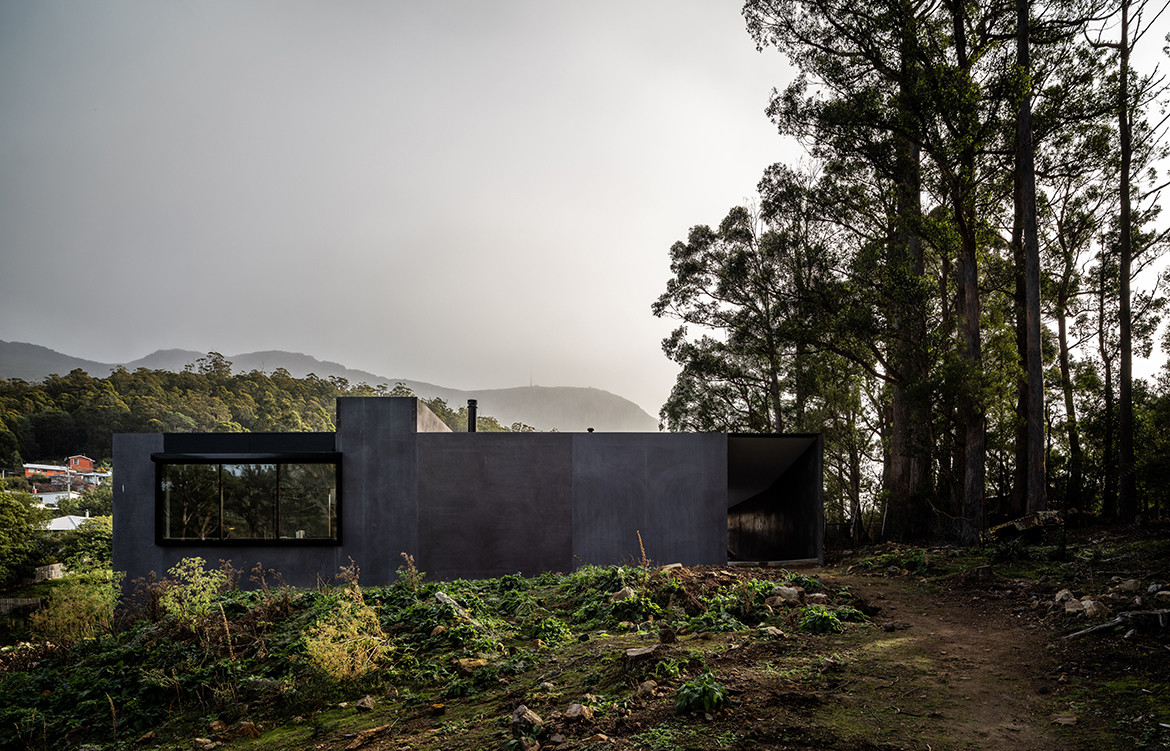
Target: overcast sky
x,y
468,193
471,193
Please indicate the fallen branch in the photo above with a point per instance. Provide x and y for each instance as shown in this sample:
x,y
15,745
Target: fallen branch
x,y
1145,620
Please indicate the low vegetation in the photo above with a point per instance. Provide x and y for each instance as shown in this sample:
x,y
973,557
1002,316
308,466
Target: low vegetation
x,y
636,657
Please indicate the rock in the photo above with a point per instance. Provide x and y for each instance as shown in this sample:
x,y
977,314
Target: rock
x,y
204,744
556,738
438,630
598,738
772,632
529,744
817,598
1129,585
578,712
625,593
1161,598
1154,589
666,635
218,726
524,721
248,729
646,689
1063,595
671,566
468,665
365,704
1064,719
889,626
787,595
446,599
1074,606
637,653
1095,609
546,686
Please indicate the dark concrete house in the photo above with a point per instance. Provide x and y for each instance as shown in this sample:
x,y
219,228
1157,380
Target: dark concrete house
x,y
394,479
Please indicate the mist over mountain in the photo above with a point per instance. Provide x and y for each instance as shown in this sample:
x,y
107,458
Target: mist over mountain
x,y
565,408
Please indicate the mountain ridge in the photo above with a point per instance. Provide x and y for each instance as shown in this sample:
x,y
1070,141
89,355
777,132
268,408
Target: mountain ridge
x,y
564,408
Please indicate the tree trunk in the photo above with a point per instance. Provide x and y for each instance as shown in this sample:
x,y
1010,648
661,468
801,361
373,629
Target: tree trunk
x,y
1128,499
1037,497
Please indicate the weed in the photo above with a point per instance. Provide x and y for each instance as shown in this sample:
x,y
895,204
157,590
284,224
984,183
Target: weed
x,y
347,642
190,599
80,607
551,630
409,574
703,694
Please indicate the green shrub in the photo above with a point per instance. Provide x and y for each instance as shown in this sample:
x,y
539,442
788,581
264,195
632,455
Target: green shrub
x,y
817,619
91,545
703,694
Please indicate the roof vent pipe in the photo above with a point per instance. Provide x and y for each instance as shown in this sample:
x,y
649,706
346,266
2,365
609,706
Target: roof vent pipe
x,y
471,410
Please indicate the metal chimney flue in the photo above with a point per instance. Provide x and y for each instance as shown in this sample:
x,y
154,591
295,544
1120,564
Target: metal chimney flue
x,y
471,419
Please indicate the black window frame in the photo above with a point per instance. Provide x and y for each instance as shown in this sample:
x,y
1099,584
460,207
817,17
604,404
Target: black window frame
x,y
303,457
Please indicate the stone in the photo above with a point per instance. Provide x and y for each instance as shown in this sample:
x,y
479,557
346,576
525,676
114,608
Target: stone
x,y
524,721
1154,589
218,726
438,630
772,632
248,729
1162,597
546,686
446,599
1064,595
529,744
578,713
204,744
468,665
817,598
1129,585
597,738
365,704
671,566
636,653
646,689
666,635
1074,606
889,626
556,738
625,593
788,595
1095,609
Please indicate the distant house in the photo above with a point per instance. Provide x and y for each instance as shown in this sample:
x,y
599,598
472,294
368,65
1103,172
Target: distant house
x,y
53,500
65,523
76,465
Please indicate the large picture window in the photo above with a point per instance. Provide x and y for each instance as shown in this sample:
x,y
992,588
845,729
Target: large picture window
x,y
236,500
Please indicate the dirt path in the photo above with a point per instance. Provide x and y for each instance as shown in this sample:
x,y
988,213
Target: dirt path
x,y
970,672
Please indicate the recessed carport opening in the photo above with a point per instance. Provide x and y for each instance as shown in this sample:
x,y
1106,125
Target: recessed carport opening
x,y
775,504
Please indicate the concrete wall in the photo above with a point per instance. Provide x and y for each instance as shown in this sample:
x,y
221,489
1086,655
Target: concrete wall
x,y
495,503
670,488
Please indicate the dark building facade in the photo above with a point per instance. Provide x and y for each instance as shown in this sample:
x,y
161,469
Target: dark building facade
x,y
393,479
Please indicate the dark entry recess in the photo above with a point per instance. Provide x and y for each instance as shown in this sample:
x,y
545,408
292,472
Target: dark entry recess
x,y
775,509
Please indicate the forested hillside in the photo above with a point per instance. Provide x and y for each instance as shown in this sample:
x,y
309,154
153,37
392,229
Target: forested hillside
x,y
956,283
78,414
